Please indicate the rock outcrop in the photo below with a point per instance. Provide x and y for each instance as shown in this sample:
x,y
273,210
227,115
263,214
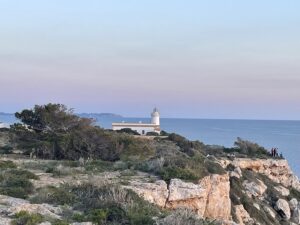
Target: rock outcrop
x,y
209,197
242,215
277,170
156,193
10,206
283,208
256,189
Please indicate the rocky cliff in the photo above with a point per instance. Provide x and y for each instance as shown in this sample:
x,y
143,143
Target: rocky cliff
x,y
210,196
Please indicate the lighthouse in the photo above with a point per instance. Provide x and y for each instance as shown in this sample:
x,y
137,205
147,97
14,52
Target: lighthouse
x,y
141,128
155,117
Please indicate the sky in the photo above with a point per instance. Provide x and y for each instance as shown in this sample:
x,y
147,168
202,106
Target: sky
x,y
191,59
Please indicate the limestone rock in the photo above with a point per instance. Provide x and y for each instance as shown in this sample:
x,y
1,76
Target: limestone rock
x,y
282,190
283,208
218,200
5,221
242,215
237,172
209,198
277,170
187,195
15,205
296,216
180,190
156,193
293,204
256,189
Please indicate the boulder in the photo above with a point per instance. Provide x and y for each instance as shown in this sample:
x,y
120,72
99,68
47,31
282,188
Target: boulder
x,y
293,204
282,190
237,172
256,189
283,208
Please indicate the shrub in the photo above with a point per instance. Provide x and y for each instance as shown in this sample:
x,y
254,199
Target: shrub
x,y
60,222
7,149
175,172
53,195
294,194
184,216
98,165
16,183
164,133
251,149
23,173
7,165
214,168
25,218
152,134
128,131
111,204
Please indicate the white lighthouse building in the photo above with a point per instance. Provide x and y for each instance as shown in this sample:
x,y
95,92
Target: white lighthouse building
x,y
142,128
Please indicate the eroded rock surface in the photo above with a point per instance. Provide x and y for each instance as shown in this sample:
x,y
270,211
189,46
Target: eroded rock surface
x,y
156,193
242,215
277,170
283,208
15,205
256,189
209,197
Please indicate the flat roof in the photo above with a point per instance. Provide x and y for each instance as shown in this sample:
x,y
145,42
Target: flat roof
x,y
134,125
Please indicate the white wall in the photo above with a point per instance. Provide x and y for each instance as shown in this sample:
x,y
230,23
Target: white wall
x,y
138,129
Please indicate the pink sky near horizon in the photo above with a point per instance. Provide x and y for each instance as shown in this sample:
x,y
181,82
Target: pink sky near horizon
x,y
198,60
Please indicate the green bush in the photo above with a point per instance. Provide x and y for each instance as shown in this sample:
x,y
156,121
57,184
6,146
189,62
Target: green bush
x,y
128,131
111,204
98,166
251,149
53,195
7,149
152,134
7,165
175,172
60,222
214,168
23,173
25,218
16,183
294,194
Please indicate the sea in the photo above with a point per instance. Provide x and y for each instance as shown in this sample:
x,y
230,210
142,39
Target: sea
x,y
284,135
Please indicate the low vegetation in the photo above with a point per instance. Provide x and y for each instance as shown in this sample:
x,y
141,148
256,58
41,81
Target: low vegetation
x,y
101,205
15,182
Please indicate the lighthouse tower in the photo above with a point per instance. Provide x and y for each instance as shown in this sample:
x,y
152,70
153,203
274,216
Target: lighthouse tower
x,y
155,117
